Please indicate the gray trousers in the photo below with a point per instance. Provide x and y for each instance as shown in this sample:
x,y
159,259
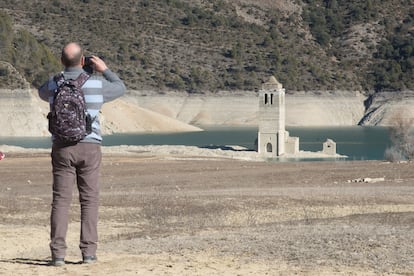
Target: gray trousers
x,y
78,164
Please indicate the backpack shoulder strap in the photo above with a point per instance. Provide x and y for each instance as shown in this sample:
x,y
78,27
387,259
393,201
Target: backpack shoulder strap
x,y
81,79
59,79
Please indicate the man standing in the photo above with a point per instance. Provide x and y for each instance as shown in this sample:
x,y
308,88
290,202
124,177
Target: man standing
x,y
79,162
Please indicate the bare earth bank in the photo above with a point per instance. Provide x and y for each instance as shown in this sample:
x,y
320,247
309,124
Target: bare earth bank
x,y
182,215
24,114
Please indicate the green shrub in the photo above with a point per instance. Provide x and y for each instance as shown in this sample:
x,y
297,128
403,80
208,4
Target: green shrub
x,y
4,72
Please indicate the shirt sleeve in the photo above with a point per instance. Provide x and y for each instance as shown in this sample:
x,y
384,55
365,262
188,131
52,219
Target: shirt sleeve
x,y
46,90
113,87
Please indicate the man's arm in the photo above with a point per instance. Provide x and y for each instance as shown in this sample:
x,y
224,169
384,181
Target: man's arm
x,y
113,87
45,91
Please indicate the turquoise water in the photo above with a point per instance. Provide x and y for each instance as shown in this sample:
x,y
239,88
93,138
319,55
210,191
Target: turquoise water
x,y
358,143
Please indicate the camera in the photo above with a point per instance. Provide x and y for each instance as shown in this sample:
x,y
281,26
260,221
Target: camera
x,y
88,65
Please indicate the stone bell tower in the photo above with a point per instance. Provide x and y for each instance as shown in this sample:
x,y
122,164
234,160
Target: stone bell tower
x,y
272,134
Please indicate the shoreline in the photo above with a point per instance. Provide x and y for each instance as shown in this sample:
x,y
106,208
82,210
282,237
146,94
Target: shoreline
x,y
178,152
152,112
173,113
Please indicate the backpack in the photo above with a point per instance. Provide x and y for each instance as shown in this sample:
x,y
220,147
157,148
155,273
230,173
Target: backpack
x,y
69,121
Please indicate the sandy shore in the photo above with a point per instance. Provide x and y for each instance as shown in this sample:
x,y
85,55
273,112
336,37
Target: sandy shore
x,y
175,214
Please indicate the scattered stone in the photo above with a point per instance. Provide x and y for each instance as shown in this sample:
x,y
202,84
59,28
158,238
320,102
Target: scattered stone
x,y
367,180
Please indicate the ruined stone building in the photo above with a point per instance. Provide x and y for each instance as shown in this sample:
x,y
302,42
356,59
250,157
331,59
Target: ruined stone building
x,y
273,139
329,147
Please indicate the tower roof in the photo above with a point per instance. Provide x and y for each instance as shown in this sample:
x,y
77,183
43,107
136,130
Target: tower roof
x,y
272,83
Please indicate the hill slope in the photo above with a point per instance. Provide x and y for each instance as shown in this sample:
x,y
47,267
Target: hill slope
x,y
199,46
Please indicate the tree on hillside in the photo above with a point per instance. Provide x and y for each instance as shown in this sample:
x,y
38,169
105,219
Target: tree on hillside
x,y
6,36
402,138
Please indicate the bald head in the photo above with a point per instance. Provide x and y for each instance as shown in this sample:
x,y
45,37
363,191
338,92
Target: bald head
x,y
72,55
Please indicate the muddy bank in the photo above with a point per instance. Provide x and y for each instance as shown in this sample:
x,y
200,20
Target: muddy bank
x,y
182,215
24,114
341,108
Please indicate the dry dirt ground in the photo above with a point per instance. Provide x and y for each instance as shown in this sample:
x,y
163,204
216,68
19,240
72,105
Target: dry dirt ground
x,y
205,216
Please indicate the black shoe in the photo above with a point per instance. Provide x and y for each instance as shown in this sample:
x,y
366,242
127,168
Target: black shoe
x,y
58,262
89,259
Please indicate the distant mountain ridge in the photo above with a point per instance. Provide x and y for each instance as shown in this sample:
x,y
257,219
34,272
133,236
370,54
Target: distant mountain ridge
x,y
219,45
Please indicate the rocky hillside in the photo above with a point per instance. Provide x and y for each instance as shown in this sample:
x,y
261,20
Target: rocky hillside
x,y
199,46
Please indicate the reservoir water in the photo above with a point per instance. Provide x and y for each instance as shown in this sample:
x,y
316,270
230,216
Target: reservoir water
x,y
358,143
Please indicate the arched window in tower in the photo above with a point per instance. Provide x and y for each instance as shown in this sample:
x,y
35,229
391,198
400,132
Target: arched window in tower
x,y
269,147
271,99
265,99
